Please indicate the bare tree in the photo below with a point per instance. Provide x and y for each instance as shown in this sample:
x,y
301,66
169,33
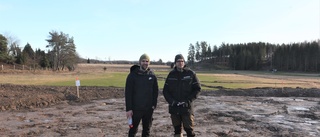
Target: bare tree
x,y
13,43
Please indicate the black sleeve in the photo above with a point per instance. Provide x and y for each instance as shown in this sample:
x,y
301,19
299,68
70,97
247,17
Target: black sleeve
x,y
129,92
155,92
166,92
196,88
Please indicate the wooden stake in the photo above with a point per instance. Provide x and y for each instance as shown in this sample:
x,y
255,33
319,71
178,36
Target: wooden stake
x,y
78,92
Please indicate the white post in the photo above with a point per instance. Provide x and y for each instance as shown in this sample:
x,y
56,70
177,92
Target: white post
x,y
1,67
78,84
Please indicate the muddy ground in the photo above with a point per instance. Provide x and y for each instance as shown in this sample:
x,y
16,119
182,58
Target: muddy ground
x,y
56,111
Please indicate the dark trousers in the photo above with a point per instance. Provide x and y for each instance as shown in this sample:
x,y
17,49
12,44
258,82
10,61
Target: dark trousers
x,y
146,117
185,121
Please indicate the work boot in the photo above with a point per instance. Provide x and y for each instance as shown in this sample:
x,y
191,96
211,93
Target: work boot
x,y
178,135
190,132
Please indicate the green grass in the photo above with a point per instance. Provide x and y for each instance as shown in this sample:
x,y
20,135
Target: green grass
x,y
209,79
252,79
110,79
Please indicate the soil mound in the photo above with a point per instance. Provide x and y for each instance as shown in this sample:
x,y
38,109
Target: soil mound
x,y
16,97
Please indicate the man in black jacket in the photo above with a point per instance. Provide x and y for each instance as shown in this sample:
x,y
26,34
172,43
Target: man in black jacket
x,y
141,94
181,88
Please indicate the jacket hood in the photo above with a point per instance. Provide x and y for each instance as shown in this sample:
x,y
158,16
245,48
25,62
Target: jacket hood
x,y
134,67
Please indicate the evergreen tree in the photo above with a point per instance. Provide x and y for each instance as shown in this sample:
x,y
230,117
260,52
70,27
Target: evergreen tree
x,y
191,55
197,51
204,47
3,48
63,52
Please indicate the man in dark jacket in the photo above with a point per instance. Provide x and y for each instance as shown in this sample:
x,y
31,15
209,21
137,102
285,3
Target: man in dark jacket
x,y
181,88
141,94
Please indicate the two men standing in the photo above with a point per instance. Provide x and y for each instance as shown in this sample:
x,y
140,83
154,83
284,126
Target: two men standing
x,y
181,88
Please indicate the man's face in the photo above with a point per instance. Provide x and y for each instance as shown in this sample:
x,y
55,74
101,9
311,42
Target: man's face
x,y
144,63
180,63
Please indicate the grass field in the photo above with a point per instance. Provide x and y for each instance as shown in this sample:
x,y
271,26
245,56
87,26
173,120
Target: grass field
x,y
115,75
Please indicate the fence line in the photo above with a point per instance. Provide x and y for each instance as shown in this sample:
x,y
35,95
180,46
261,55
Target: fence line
x,y
20,67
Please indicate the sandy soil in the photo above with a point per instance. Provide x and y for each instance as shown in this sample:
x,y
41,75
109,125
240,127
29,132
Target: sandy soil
x,y
56,111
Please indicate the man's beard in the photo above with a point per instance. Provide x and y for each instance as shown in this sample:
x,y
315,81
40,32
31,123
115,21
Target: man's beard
x,y
144,67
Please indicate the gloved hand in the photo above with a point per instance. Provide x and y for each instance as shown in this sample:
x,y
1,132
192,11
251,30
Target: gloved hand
x,y
174,103
180,104
184,104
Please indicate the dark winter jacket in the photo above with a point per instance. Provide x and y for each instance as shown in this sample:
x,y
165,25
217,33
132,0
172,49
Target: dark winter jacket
x,y
181,87
141,91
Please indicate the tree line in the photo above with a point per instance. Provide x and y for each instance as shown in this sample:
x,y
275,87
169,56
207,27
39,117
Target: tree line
x,y
303,56
61,52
